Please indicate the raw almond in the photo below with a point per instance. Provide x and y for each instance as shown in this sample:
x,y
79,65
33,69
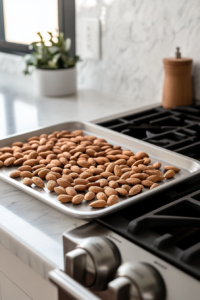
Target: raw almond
x,y
64,198
102,196
153,172
63,182
114,178
157,165
32,155
117,170
146,161
128,152
27,181
42,173
86,174
19,161
147,183
77,199
113,199
126,175
15,174
50,176
25,168
92,184
38,182
120,162
60,190
110,168
57,169
51,185
140,176
106,174
5,156
156,178
83,163
175,169
31,162
121,181
135,190
89,196
94,178
95,189
138,162
126,187
169,174
71,191
81,181
154,186
140,155
80,188
103,182
109,191
113,184
122,192
27,174
133,181
98,204
9,161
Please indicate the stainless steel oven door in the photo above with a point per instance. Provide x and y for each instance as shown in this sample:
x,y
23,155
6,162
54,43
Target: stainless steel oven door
x,y
68,289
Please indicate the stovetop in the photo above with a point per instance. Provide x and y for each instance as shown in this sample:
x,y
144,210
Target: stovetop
x,y
177,129
167,224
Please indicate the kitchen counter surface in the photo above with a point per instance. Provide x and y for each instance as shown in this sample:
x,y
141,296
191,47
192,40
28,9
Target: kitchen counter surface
x,y
28,228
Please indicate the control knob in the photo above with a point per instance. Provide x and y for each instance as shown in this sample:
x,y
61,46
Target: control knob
x,y
94,262
137,281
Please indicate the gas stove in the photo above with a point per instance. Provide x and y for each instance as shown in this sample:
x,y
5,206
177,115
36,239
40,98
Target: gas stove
x,y
149,250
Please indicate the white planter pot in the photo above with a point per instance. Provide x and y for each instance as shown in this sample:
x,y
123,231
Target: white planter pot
x,y
54,83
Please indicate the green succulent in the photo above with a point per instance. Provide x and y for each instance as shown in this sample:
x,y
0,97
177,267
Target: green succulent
x,y
54,55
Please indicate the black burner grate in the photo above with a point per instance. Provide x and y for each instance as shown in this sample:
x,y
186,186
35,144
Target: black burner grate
x,y
177,130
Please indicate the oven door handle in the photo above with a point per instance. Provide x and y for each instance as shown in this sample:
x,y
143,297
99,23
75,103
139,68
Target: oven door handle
x,y
70,286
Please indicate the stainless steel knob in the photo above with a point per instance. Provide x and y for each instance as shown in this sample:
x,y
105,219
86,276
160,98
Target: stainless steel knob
x,y
137,281
93,263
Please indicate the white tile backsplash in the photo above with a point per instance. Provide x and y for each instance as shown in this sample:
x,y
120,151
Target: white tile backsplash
x,y
135,36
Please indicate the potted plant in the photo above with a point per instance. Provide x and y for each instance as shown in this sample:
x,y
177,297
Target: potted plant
x,y
55,68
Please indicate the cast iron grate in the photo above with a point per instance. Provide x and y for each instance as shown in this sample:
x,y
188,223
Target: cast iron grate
x,y
177,129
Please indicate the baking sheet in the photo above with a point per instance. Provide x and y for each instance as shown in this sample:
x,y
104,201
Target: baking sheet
x,y
189,167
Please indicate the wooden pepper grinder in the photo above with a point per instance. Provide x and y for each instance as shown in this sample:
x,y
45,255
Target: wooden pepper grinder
x,y
178,84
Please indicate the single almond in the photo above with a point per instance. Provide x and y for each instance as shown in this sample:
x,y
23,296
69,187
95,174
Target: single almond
x,y
89,196
155,178
27,174
117,171
27,181
38,182
109,191
153,172
6,156
140,155
50,176
81,181
154,186
103,182
9,161
42,173
122,192
31,162
110,168
175,169
126,187
126,175
64,198
92,184
77,199
113,184
147,183
169,174
80,188
106,174
94,178
121,181
113,199
25,168
102,196
140,176
15,174
146,160
95,189
133,181
86,174
64,182
19,161
113,178
138,162
71,191
57,169
60,190
51,184
157,165
98,204
32,155
83,163
135,190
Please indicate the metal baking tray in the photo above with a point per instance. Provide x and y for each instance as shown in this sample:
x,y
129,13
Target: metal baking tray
x,y
189,167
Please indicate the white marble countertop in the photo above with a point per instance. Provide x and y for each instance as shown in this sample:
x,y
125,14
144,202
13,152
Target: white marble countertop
x,y
28,228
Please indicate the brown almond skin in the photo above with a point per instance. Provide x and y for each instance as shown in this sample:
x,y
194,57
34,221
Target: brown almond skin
x,y
110,168
57,169
77,199
109,191
89,196
94,178
122,192
155,178
113,199
92,184
15,174
78,181
135,190
140,155
157,165
27,181
139,176
64,198
31,162
126,187
117,171
102,196
60,190
147,183
138,162
126,175
25,174
98,204
9,161
106,174
103,182
50,177
5,156
63,182
95,189
175,169
113,184
1,163
38,182
19,161
71,191
146,161
133,181
169,174
86,174
51,185
25,168
42,173
136,169
80,188
154,186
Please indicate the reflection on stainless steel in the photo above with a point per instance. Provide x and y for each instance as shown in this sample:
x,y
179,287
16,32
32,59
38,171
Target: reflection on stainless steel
x,y
94,262
145,283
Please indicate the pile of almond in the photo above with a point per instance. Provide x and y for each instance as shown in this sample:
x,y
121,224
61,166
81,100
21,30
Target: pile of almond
x,y
78,167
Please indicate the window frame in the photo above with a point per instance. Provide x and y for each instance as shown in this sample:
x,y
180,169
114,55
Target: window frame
x,y
66,20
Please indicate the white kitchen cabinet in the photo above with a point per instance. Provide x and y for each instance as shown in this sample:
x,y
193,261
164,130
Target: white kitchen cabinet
x,y
19,282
